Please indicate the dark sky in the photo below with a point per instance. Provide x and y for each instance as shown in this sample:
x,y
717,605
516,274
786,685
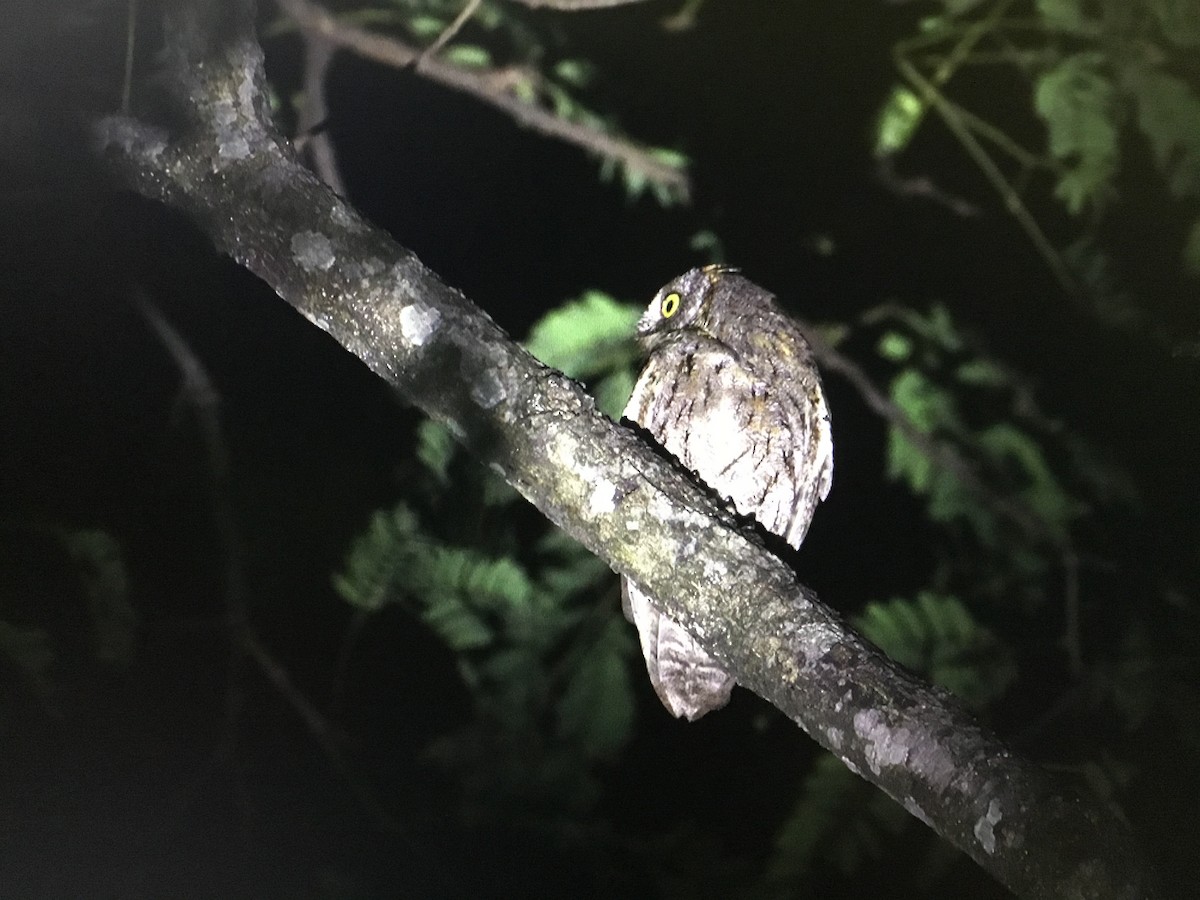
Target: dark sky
x,y
122,786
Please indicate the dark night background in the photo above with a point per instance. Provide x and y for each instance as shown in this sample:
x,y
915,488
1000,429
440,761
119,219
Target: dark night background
x,y
128,782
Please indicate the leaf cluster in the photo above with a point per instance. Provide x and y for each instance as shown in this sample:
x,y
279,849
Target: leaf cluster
x,y
30,643
1106,80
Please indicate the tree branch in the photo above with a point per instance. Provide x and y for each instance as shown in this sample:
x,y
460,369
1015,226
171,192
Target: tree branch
x,y
575,5
240,182
493,86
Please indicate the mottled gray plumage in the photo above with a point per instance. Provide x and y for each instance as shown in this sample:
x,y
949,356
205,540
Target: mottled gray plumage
x,y
731,390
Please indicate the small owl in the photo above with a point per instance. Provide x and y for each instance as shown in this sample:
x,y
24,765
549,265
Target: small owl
x,y
731,390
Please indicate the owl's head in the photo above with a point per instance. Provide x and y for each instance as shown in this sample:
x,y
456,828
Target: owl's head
x,y
682,303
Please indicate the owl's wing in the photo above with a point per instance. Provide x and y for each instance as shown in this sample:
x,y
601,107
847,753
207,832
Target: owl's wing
x,y
759,439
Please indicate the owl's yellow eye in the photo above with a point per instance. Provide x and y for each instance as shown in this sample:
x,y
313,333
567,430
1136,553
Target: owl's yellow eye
x,y
670,305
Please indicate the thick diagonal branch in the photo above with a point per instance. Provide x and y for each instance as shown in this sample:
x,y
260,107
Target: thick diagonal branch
x,y
240,182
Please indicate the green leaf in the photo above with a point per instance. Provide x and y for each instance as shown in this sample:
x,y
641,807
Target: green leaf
x,y
1064,15
981,373
898,121
1168,114
596,708
895,346
928,406
673,158
635,181
1008,445
1075,98
368,577
425,26
958,7
937,637
435,449
613,392
585,337
575,72
469,56
457,626
1179,20
708,242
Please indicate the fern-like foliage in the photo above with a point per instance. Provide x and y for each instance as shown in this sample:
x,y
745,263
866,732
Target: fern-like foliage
x,y
987,420
589,338
937,637
97,563
1106,80
838,820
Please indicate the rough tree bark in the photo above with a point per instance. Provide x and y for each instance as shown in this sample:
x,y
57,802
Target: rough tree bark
x,y
214,154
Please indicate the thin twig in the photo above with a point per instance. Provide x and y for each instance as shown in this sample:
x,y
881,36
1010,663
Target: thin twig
x,y
314,113
130,39
921,186
205,401
930,91
488,85
575,5
448,32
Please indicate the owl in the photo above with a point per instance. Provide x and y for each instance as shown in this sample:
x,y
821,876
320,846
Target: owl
x,y
730,389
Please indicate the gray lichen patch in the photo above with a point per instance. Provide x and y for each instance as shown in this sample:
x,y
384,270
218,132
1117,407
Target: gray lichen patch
x,y
233,146
133,139
833,736
985,827
312,251
882,745
602,500
344,217
230,124
364,269
418,323
487,389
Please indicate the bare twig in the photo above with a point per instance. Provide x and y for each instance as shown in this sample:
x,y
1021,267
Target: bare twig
x,y
130,43
921,186
314,138
488,85
449,32
575,5
929,88
244,641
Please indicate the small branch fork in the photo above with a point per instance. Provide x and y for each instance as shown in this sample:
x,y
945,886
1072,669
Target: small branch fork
x,y
492,86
